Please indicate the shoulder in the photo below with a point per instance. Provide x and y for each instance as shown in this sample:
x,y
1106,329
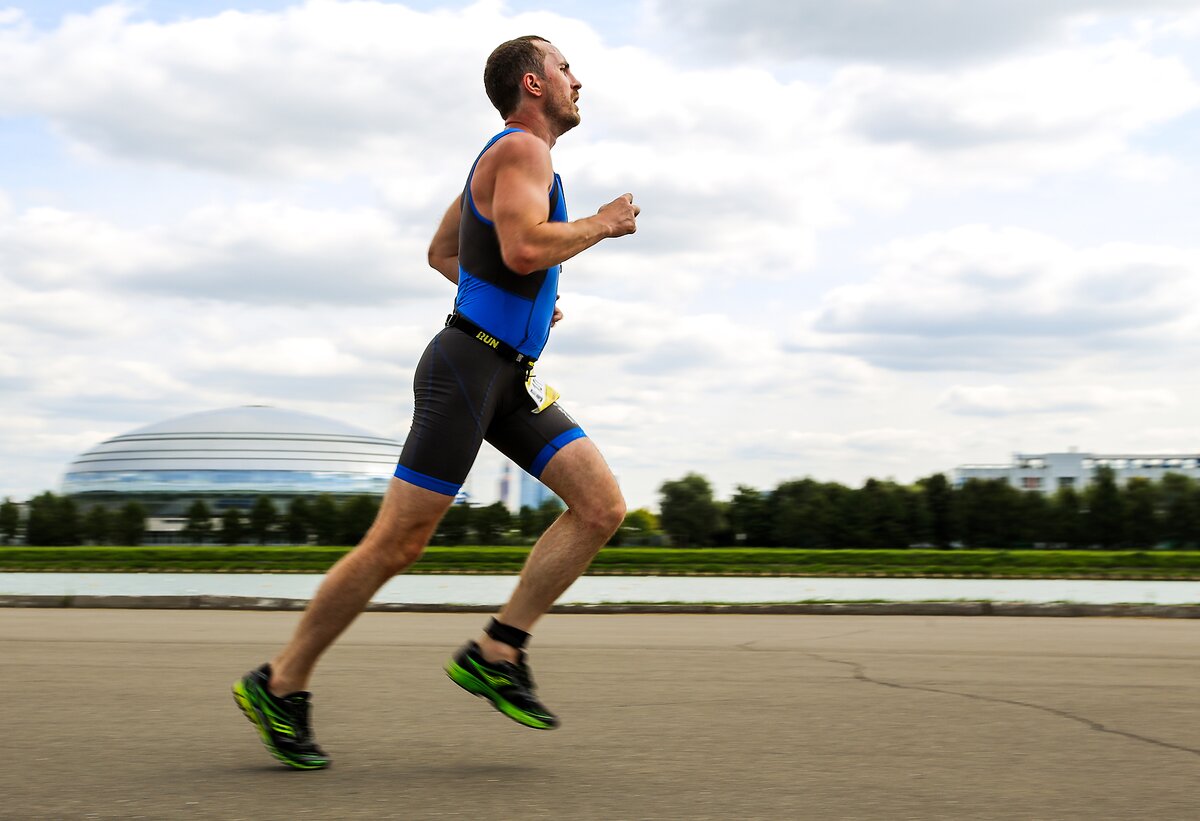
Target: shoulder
x,y
522,149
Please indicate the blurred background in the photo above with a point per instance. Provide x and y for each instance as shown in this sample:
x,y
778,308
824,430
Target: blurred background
x,y
878,241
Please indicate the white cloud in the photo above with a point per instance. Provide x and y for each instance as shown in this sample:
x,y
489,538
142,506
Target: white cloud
x,y
308,90
321,88
809,444
63,314
266,252
288,356
1186,26
1078,97
649,342
1165,438
77,378
999,299
283,254
321,91
913,32
305,156
879,452
44,248
1003,400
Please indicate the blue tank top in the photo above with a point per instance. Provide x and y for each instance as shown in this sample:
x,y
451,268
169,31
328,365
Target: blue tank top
x,y
516,309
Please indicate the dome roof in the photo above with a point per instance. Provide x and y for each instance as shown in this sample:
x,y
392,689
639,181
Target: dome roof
x,y
251,419
247,449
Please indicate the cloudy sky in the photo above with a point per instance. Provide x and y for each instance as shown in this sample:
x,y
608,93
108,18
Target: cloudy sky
x,y
877,238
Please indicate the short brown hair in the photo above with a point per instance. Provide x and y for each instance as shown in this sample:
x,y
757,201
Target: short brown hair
x,y
507,64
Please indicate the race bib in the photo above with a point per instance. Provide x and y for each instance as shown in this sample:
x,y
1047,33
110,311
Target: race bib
x,y
543,395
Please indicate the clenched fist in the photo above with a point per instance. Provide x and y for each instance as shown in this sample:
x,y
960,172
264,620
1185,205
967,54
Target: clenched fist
x,y
620,216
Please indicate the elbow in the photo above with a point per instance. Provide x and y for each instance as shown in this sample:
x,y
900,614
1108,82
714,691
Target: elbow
x,y
446,266
433,258
520,259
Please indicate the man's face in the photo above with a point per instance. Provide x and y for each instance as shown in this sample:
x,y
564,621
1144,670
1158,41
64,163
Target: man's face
x,y
562,91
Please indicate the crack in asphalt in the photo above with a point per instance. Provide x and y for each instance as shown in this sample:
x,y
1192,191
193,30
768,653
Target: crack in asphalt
x,y
749,645
861,675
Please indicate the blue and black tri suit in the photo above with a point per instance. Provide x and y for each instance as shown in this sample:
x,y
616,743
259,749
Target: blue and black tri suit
x,y
465,390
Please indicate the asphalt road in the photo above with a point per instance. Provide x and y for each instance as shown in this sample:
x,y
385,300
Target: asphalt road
x,y
127,714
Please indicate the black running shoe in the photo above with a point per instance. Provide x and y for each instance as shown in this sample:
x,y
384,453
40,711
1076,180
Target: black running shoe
x,y
282,722
508,686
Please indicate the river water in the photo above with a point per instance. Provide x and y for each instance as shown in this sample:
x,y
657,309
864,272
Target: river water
x,y
494,590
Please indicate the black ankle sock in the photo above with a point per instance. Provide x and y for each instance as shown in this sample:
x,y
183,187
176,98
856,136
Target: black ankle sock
x,y
506,634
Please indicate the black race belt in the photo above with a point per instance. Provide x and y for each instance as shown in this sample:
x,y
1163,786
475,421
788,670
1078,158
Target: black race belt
x,y
498,345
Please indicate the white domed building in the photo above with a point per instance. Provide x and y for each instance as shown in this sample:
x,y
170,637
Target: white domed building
x,y
230,457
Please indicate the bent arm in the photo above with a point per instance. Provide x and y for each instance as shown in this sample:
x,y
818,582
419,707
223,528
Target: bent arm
x,y
443,248
528,240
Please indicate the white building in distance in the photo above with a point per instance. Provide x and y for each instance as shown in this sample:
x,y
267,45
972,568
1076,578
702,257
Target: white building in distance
x,y
1047,472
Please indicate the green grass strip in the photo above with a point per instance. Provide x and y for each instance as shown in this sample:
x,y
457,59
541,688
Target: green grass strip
x,y
628,561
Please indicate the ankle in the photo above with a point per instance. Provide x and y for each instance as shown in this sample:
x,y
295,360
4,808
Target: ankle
x,y
495,651
283,682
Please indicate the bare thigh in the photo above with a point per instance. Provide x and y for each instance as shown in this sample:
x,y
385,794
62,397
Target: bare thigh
x,y
408,515
582,479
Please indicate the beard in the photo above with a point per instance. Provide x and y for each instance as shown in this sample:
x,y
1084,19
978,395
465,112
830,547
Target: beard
x,y
564,115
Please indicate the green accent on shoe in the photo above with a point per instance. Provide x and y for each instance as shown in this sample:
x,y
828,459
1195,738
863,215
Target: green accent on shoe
x,y
486,675
255,706
478,686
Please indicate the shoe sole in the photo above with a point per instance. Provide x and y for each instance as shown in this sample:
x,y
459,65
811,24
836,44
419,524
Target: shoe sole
x,y
464,679
254,716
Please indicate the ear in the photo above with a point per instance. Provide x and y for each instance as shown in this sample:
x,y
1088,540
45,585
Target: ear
x,y
533,84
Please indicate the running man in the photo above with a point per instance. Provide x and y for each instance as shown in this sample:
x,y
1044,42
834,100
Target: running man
x,y
502,242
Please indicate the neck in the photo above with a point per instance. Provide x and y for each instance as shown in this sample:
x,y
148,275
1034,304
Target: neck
x,y
536,126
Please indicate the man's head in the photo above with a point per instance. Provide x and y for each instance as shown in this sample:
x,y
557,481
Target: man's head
x,y
531,68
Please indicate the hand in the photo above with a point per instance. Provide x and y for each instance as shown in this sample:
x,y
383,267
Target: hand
x,y
620,216
558,315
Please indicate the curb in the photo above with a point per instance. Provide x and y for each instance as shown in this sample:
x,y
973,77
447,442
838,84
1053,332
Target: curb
x,y
980,608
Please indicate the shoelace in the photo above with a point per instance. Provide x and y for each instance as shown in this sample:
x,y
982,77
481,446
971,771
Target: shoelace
x,y
298,711
517,672
526,675
523,670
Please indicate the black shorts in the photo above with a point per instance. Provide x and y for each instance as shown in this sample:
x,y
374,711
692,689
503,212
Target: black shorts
x,y
465,393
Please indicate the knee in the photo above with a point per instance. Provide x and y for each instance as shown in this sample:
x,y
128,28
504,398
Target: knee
x,y
397,558
605,516
394,550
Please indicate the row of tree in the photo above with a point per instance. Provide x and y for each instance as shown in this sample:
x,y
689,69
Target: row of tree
x,y
932,512
57,520
800,513
324,519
